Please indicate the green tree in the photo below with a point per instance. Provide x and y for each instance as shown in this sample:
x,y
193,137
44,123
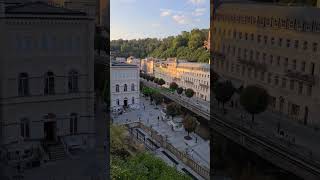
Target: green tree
x,y
173,109
161,82
189,92
173,86
223,91
189,124
254,99
157,98
179,90
144,166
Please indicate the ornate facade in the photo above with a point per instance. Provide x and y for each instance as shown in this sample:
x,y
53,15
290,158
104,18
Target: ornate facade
x,y
46,70
186,74
278,51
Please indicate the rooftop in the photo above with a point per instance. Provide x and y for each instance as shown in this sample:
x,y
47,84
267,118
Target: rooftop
x,y
308,13
39,8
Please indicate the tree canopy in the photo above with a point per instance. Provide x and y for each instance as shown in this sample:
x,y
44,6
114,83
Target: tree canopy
x,y
223,91
186,45
254,100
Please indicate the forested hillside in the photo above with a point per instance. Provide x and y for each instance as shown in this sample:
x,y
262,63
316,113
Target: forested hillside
x,y
187,45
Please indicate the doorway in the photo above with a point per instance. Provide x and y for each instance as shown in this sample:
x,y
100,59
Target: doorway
x,y
50,131
125,102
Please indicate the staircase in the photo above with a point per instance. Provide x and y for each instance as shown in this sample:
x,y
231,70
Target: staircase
x,y
56,152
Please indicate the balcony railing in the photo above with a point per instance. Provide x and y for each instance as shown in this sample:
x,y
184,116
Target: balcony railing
x,y
253,64
308,78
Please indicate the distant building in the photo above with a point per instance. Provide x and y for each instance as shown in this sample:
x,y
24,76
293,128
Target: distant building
x,y
275,47
133,60
147,65
186,74
125,86
47,80
120,59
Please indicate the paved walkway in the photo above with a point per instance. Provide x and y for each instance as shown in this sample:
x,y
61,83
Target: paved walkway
x,y
199,151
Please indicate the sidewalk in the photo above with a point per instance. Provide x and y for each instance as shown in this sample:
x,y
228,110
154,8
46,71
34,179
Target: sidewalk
x,y
200,151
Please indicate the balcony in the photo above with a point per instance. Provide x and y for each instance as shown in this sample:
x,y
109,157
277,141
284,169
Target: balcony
x,y
308,78
188,82
253,64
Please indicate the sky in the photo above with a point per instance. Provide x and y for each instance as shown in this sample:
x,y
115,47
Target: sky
x,y
138,19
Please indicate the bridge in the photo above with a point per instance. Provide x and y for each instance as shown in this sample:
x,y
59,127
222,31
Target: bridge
x,y
268,148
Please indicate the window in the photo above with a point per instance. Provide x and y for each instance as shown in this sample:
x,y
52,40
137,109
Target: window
x,y
246,36
305,45
269,77
295,110
252,37
315,47
272,41
278,60
294,64
300,88
125,88
288,43
303,66
73,123
280,42
271,59
286,62
312,68
284,82
262,76
132,100
23,86
118,102
276,80
257,56
309,91
240,35
49,83
265,39
117,88
25,128
73,81
292,84
264,57
296,44
132,87
259,39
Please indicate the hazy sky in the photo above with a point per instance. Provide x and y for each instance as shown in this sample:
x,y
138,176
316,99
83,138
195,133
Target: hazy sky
x,y
134,19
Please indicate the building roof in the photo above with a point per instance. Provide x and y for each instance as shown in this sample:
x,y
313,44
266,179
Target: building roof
x,y
122,64
270,10
40,8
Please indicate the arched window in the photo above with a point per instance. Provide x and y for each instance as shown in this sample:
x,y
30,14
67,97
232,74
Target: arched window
x,y
23,84
73,123
132,100
73,81
49,83
117,88
25,128
132,87
125,88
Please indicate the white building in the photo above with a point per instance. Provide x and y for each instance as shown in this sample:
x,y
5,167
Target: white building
x,y
46,76
195,76
125,85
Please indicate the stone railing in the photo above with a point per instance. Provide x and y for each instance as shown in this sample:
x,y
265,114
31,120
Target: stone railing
x,y
182,156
